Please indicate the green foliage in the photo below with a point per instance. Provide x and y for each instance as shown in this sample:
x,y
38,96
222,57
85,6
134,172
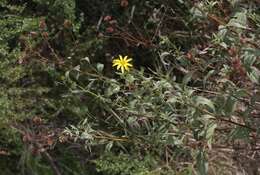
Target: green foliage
x,y
189,106
122,164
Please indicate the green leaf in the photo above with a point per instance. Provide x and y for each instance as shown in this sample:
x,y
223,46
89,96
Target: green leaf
x,y
210,132
240,93
199,100
240,133
254,75
129,78
230,106
239,20
109,146
86,59
207,76
187,78
100,67
201,163
113,89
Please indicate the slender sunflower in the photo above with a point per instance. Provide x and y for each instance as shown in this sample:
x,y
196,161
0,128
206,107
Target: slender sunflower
x,y
122,63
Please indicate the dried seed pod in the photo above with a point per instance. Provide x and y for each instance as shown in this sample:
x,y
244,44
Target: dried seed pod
x,y
67,24
42,24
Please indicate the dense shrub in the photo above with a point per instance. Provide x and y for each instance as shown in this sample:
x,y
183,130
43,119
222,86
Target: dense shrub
x,y
189,105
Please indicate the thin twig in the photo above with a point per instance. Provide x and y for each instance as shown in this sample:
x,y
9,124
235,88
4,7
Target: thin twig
x,y
51,161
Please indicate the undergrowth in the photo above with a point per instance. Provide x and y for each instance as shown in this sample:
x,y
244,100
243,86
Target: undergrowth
x,y
189,105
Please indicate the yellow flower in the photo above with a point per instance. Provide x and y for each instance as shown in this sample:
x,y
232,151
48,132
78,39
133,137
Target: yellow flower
x,y
122,63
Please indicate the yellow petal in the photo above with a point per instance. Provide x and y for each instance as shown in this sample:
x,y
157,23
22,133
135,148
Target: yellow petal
x,y
118,67
129,59
120,57
114,61
122,69
129,65
126,68
114,64
125,58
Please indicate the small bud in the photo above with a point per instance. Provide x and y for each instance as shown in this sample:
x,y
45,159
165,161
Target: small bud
x,y
42,24
112,22
67,24
124,3
100,35
37,120
33,34
45,35
107,18
110,29
189,56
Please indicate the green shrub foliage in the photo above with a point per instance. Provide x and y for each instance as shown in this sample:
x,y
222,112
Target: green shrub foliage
x,y
189,105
